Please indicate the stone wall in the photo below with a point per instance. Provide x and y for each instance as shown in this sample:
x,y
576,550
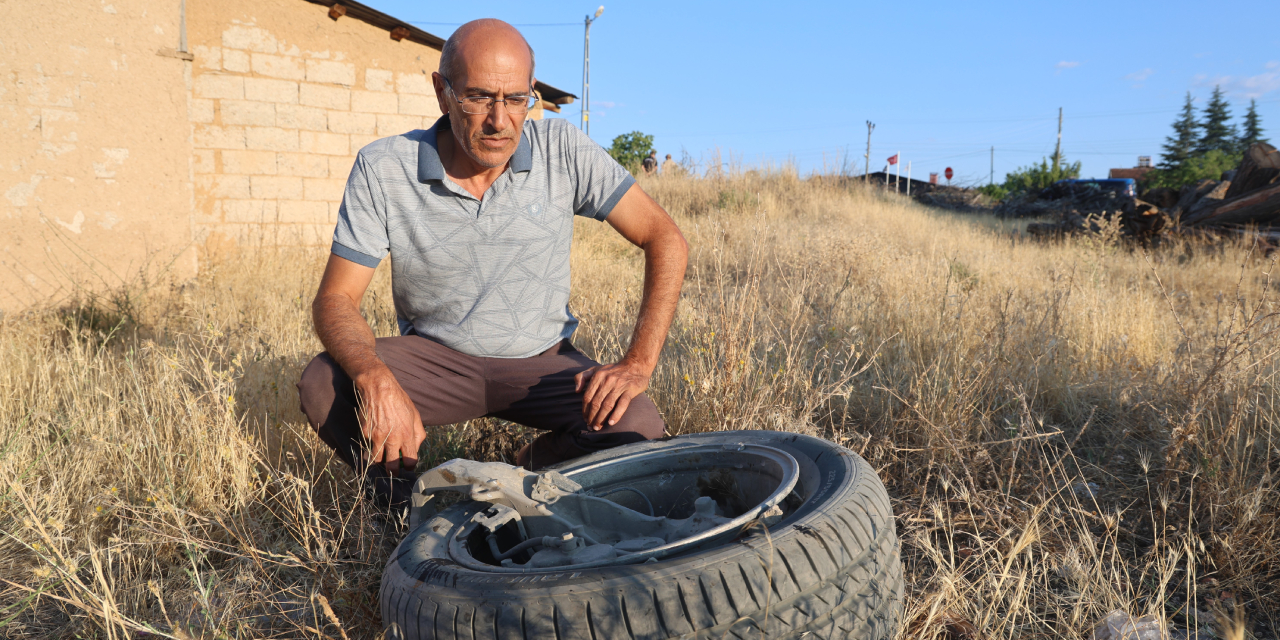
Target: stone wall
x,y
283,97
136,136
95,160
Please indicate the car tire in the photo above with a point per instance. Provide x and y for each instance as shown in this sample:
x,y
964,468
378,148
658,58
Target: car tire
x,y
831,567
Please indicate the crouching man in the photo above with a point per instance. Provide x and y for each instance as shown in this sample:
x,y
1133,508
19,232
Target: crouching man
x,y
477,216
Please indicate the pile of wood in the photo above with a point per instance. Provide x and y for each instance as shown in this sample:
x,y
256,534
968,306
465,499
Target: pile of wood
x,y
1251,198
1248,197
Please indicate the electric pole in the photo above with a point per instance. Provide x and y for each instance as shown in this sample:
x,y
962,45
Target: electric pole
x,y
1057,151
866,177
586,72
992,180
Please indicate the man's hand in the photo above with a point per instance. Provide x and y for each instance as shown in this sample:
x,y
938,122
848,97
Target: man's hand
x,y
607,391
390,421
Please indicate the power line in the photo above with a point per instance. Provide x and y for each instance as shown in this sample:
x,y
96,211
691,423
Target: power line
x,y
527,24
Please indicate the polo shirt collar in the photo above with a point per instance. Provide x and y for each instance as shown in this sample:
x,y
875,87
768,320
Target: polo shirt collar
x,y
430,167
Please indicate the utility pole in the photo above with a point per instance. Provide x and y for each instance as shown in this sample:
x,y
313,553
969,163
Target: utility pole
x,y
1057,151
992,180
908,179
586,72
866,177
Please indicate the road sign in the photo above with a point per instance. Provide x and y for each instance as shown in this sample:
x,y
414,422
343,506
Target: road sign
x,y
948,173
933,177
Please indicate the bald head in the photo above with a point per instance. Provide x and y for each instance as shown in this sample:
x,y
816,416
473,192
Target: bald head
x,y
483,38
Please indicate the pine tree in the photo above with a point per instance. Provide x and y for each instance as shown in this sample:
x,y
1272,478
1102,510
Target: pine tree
x,y
1219,134
1179,147
1252,132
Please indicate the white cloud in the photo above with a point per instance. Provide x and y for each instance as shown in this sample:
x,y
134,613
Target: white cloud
x,y
1140,76
604,104
1246,86
1065,64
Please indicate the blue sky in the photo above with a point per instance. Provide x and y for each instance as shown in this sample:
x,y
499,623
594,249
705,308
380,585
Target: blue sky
x,y
770,82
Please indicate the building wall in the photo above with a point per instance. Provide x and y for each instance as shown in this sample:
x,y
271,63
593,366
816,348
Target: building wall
x,y
283,97
122,153
95,158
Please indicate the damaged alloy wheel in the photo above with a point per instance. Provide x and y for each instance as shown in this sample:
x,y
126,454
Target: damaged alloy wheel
x,y
746,533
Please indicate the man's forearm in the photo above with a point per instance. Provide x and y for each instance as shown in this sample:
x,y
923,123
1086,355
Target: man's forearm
x,y
664,264
345,335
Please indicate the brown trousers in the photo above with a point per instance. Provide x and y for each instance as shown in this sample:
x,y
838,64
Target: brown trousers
x,y
449,387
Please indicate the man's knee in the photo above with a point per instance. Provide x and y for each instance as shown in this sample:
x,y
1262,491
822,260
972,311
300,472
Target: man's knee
x,y
642,418
318,388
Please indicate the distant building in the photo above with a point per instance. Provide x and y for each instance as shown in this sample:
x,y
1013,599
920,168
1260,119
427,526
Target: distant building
x,y
144,134
1136,173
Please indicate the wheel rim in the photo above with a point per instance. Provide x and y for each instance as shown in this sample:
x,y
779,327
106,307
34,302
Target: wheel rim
x,y
751,479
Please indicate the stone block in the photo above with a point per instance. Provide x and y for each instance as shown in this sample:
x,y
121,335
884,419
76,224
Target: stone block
x,y
318,95
332,144
347,122
202,161
418,105
249,211
271,139
379,80
331,72
250,163
311,235
374,102
268,90
324,189
302,211
265,64
389,125
262,114
207,136
359,142
249,38
237,61
216,85
223,186
304,165
414,83
292,116
276,187
340,166
207,57
201,110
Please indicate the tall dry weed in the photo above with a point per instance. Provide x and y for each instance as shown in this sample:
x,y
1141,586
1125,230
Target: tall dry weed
x,y
1065,428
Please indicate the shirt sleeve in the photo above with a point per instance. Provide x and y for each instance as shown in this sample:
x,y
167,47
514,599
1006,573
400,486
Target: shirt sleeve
x,y
600,180
361,233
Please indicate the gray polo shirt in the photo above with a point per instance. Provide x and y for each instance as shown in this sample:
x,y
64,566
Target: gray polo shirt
x,y
485,277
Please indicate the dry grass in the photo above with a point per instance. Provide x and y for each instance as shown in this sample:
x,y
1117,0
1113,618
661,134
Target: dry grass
x,y
1066,429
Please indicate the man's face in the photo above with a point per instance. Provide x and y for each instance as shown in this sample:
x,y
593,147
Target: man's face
x,y
488,139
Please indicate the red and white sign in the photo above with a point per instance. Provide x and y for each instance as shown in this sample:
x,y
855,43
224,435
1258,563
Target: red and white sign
x,y
893,159
933,178
948,173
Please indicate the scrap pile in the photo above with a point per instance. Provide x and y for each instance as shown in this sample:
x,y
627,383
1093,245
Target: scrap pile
x,y
1248,197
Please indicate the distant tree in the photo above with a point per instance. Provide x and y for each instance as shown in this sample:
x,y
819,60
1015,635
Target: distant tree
x,y
629,149
1252,131
1218,132
1039,175
1180,146
1196,168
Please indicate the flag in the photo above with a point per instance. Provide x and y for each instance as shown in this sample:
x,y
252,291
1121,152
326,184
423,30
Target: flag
x,y
893,159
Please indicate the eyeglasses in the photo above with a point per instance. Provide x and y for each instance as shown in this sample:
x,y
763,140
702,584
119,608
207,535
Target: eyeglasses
x,y
477,105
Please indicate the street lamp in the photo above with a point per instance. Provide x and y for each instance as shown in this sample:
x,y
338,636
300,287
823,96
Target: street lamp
x,y
586,72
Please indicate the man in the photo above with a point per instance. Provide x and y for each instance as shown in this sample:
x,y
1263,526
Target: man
x,y
477,216
650,163
670,167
